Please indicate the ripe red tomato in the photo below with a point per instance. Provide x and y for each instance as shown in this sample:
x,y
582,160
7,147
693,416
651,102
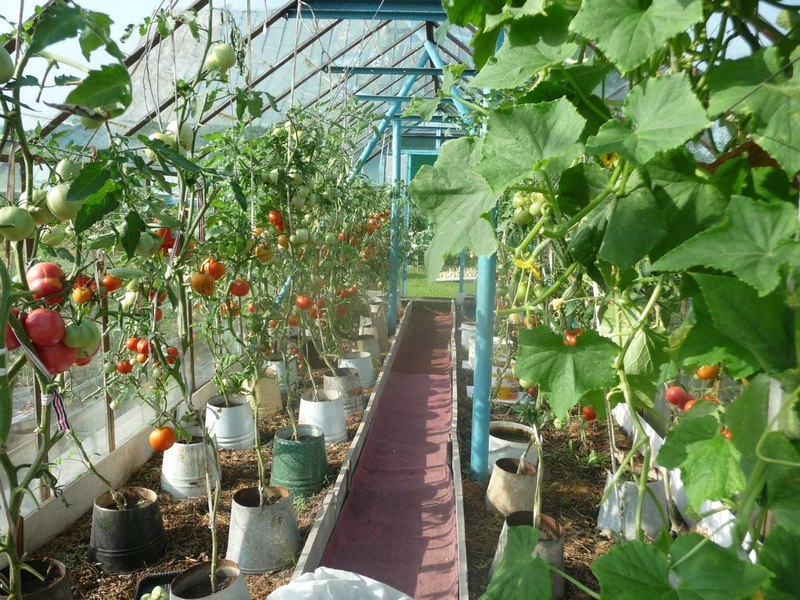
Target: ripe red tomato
x,y
571,336
292,321
162,439
56,358
203,283
159,313
45,279
131,344
12,342
167,241
320,303
143,347
707,372
239,287
112,283
689,404
676,395
588,413
726,433
45,327
251,307
213,267
141,358
283,241
352,290
274,217
304,302
341,310
124,367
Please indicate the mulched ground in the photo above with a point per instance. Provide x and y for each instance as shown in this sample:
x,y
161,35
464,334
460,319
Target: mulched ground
x,y
573,486
186,522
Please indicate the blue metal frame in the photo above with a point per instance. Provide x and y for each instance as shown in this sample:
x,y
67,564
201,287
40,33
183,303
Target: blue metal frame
x,y
406,10
393,110
397,71
394,251
398,99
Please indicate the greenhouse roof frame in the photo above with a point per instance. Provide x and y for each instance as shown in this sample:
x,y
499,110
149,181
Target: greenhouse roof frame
x,y
325,50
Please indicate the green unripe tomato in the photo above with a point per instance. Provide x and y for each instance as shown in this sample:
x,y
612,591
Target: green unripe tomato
x,y
298,202
518,200
148,244
525,384
522,216
37,207
183,138
221,58
109,368
57,203
16,223
538,290
67,169
331,239
6,65
302,236
535,209
85,336
53,237
128,301
522,293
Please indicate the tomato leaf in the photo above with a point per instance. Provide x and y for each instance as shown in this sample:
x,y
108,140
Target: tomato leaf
x,y
105,87
633,571
169,155
629,32
759,324
532,45
754,242
713,572
91,179
98,205
57,23
454,199
238,194
521,140
133,228
660,114
565,372
520,574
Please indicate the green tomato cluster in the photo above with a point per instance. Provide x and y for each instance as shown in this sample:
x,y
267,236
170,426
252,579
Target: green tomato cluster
x,y
158,593
527,206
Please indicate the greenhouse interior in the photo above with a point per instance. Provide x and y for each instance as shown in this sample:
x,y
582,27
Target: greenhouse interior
x,y
400,299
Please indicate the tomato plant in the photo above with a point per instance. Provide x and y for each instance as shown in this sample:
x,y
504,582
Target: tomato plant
x,y
45,327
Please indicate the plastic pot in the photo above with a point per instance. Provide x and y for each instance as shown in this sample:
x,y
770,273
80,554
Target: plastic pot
x,y
128,539
285,372
618,512
300,465
264,393
264,538
324,409
367,342
508,490
231,424
195,583
54,587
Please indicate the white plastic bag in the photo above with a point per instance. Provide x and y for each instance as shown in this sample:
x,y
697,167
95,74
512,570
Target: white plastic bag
x,y
333,584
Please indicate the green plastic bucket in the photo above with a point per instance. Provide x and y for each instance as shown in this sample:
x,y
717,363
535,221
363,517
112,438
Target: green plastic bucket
x,y
300,465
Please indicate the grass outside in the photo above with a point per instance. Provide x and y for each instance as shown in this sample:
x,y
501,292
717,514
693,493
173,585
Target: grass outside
x,y
417,285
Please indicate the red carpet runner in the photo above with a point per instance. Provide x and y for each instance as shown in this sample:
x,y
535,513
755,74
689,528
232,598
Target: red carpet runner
x,y
398,524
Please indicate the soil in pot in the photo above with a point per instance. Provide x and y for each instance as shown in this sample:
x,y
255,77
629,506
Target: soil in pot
x,y
129,538
194,583
54,587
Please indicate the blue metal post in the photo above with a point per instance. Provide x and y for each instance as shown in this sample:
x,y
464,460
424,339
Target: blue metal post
x,y
394,253
484,337
462,263
433,53
393,110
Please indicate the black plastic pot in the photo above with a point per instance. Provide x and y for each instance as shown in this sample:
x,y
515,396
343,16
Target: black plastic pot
x,y
128,539
54,587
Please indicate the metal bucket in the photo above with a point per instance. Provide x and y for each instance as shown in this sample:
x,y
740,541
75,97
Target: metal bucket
x,y
32,588
369,327
183,470
266,538
347,383
129,539
282,371
195,577
232,424
300,465
362,362
324,409
508,490
550,547
501,447
367,342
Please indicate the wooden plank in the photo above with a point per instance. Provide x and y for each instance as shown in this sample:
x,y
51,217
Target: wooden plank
x,y
331,508
455,465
